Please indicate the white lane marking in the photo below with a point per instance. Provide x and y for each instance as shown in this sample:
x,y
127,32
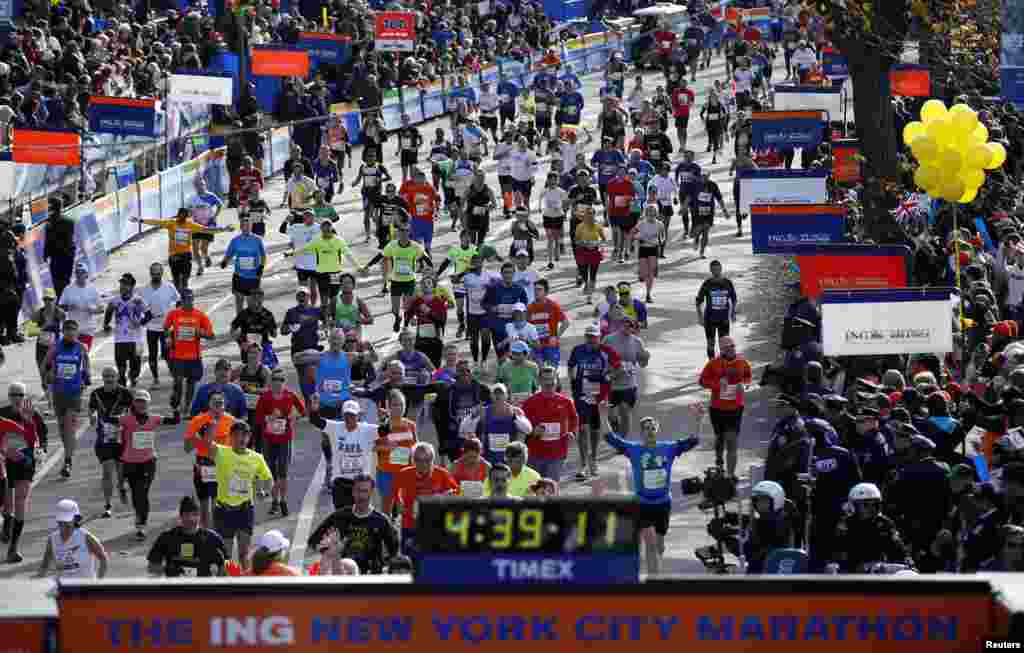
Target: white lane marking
x,y
304,525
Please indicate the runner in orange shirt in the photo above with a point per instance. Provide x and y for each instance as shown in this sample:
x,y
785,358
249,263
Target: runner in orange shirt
x,y
547,316
471,469
423,201
394,450
185,327
204,473
422,478
727,377
179,243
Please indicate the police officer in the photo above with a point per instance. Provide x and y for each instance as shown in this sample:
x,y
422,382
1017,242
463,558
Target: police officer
x,y
835,472
790,447
923,476
870,447
866,536
775,525
980,541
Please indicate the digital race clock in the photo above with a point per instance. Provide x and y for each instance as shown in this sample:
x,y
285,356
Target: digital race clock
x,y
560,540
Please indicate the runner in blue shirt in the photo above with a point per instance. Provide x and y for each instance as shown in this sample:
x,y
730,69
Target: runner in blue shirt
x,y
250,257
508,91
687,180
570,107
303,322
652,480
205,207
499,301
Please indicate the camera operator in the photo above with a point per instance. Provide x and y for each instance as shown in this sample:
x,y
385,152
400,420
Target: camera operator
x,y
866,536
774,525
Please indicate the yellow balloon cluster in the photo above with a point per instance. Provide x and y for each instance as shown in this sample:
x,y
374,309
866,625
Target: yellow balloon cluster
x,y
952,150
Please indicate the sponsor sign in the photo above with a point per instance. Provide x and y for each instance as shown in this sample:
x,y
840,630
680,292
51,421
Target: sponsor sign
x,y
1011,52
784,229
309,615
809,98
894,321
910,80
787,129
324,48
846,168
279,62
395,31
122,116
851,267
834,65
774,186
202,89
54,147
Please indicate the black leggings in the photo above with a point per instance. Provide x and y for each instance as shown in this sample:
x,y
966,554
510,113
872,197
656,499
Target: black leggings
x,y
156,341
140,478
589,271
479,337
127,358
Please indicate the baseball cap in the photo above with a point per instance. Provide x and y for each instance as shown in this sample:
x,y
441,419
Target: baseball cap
x,y
519,306
593,330
351,408
522,252
273,541
326,222
500,386
520,347
67,511
143,395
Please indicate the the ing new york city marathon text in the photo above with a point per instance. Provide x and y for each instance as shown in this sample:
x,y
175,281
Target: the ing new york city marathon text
x,y
135,633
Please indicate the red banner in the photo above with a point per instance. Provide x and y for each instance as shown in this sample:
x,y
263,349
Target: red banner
x,y
910,82
395,31
852,267
46,147
846,167
280,63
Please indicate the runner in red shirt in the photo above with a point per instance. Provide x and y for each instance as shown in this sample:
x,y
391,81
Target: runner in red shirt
x,y
276,412
555,423
727,378
423,201
665,40
621,192
550,321
471,470
682,99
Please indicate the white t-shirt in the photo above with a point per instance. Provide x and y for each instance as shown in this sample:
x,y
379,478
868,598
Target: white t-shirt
x,y
301,235
489,102
522,165
744,80
80,304
353,450
552,202
526,279
665,188
159,301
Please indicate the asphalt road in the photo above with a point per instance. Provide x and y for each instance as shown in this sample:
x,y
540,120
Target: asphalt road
x,y
668,385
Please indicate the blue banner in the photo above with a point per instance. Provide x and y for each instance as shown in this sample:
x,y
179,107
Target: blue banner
x,y
886,295
323,48
787,129
834,65
1011,55
122,116
784,229
475,569
125,173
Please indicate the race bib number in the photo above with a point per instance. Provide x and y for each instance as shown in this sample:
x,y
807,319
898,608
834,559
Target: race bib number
x,y
186,333
553,203
655,479
479,210
68,563
400,456
351,465
552,431
277,426
323,182
144,440
519,397
181,236
410,379
541,107
239,487
188,572
615,77
403,267
335,278
498,441
251,399
16,441
476,295
422,205
542,330
46,338
427,331
590,390
704,197
630,369
331,385
472,489
729,392
187,551
719,301
66,370
207,473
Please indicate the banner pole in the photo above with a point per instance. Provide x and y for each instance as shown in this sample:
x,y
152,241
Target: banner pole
x,y
963,328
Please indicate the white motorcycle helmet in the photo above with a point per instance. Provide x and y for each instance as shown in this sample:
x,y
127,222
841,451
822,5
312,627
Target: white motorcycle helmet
x,y
864,492
773,491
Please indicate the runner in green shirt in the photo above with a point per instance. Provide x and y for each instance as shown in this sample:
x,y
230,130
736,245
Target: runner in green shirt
x,y
401,259
329,250
519,373
459,256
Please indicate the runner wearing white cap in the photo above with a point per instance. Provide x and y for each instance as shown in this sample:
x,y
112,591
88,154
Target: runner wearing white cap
x,y
268,557
75,552
351,442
